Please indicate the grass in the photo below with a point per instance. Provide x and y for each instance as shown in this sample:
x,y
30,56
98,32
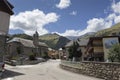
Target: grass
x,y
109,31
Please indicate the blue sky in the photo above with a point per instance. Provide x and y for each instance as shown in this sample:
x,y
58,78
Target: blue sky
x,y
65,17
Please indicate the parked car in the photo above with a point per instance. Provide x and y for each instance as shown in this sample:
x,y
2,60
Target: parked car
x,y
41,59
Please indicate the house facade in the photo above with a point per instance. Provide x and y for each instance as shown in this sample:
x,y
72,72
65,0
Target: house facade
x,y
53,54
5,13
19,47
94,48
98,47
82,47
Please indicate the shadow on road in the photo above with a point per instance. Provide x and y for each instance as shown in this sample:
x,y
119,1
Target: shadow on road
x,y
8,74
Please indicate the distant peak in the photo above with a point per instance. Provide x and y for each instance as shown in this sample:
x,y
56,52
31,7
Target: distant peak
x,y
55,34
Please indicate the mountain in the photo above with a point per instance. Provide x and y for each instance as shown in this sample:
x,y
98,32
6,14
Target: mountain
x,y
72,37
25,36
54,41
87,35
113,31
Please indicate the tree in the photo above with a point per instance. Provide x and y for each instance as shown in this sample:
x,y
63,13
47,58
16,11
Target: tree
x,y
32,57
70,50
74,51
114,53
45,55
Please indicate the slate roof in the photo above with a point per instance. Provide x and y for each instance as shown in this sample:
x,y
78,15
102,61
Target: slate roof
x,y
25,42
6,7
82,42
69,44
43,44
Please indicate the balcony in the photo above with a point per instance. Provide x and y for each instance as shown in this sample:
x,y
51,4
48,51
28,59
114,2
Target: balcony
x,y
98,54
97,45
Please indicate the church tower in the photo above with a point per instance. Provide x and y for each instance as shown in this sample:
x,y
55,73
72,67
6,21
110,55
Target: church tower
x,y
36,39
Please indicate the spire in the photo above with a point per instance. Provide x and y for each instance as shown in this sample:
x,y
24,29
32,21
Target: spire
x,y
36,33
36,38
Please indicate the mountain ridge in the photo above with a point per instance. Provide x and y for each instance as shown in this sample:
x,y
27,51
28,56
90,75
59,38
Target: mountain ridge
x,y
54,41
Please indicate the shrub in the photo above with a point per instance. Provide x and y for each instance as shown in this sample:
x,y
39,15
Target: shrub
x,y
32,57
45,55
114,53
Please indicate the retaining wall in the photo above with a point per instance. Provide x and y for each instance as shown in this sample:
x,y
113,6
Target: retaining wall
x,y
107,71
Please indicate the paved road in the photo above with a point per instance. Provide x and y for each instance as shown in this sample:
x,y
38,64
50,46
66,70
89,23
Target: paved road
x,y
44,71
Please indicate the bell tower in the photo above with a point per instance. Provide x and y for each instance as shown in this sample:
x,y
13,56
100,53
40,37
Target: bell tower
x,y
36,38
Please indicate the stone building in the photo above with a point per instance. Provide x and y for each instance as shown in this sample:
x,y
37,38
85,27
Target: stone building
x,y
5,13
53,54
19,47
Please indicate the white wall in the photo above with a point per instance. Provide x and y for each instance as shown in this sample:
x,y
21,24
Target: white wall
x,y
4,22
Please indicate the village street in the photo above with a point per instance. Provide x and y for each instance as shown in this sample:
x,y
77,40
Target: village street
x,y
44,71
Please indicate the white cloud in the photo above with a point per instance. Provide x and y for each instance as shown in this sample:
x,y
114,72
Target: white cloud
x,y
96,24
116,11
63,4
93,25
73,13
117,19
29,21
70,33
116,7
111,16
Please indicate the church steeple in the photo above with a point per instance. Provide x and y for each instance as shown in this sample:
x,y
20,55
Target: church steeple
x,y
36,38
36,34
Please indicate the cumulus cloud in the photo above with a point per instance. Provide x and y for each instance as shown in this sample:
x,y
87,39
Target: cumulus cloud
x,y
96,24
116,7
73,13
70,33
63,4
117,19
116,11
93,25
29,21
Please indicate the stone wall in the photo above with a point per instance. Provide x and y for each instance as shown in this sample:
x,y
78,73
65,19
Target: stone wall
x,y
107,71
